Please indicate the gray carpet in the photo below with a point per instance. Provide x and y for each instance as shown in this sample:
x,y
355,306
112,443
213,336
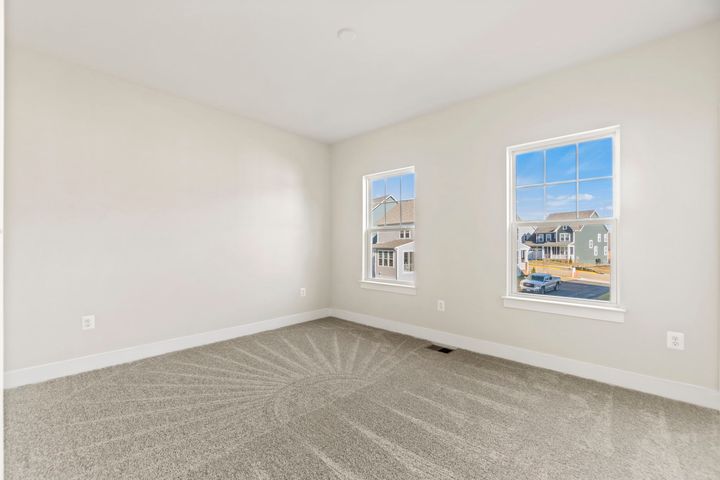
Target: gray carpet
x,y
331,399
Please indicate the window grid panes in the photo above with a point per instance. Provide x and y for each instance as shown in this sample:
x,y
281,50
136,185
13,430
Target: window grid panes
x,y
409,261
574,178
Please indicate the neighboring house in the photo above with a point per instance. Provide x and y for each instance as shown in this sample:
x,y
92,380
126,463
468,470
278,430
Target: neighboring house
x,y
393,251
575,243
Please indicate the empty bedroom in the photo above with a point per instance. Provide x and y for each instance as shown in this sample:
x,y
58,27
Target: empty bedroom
x,y
360,239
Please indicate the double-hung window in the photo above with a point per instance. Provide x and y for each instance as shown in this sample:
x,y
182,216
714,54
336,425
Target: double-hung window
x,y
389,231
567,184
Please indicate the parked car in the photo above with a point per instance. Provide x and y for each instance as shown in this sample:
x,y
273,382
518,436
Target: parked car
x,y
540,283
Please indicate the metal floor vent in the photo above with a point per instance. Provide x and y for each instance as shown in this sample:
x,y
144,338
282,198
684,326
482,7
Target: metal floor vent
x,y
440,349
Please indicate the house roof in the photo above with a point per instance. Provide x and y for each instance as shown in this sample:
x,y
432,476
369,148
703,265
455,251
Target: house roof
x,y
571,215
560,216
392,244
392,215
378,200
547,229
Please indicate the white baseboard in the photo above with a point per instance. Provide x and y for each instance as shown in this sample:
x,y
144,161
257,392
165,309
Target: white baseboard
x,y
48,371
684,392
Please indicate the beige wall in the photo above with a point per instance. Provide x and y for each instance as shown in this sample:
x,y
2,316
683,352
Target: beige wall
x,y
666,97
161,217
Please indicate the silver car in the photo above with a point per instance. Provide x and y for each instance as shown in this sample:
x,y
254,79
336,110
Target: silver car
x,y
540,283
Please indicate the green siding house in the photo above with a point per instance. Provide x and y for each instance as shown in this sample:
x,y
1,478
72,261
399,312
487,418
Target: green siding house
x,y
573,243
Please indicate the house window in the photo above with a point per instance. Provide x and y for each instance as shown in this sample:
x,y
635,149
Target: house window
x,y
389,225
385,258
566,184
409,261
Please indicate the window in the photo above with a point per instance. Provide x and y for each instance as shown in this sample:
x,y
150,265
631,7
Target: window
x,y
389,226
568,185
409,261
386,258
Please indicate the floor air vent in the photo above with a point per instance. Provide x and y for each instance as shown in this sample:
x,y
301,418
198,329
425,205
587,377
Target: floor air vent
x,y
440,349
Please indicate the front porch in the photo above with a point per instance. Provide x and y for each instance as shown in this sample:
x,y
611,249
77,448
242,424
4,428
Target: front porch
x,y
564,253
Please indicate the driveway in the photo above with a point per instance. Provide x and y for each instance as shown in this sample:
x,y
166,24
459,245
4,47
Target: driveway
x,y
574,289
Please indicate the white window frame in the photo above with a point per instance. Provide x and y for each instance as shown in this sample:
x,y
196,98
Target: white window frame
x,y
594,309
590,244
605,237
388,285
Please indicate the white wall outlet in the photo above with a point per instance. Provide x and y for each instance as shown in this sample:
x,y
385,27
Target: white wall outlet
x,y
441,305
88,322
676,341
303,292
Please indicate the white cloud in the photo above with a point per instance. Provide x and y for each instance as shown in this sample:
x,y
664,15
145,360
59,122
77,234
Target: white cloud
x,y
562,200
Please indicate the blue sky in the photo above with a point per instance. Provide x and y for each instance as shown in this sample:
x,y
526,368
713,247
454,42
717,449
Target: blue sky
x,y
393,186
574,165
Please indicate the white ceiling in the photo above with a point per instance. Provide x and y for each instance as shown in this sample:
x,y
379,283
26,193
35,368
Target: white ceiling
x,y
280,62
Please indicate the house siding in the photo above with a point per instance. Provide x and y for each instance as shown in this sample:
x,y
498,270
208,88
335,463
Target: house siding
x,y
586,254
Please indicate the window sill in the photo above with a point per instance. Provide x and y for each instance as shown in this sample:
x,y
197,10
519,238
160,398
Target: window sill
x,y
609,313
388,287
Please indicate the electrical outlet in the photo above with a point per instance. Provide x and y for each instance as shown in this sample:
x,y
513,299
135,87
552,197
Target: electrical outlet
x,y
676,341
88,322
303,292
441,306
